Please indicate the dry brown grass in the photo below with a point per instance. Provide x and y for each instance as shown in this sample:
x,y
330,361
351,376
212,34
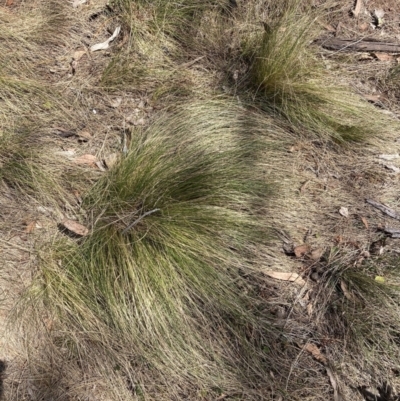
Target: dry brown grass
x,y
156,63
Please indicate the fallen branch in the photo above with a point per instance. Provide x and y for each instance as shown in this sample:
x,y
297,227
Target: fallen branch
x,y
390,212
359,45
394,232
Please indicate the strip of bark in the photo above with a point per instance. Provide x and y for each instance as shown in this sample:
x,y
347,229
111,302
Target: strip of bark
x,y
359,45
390,212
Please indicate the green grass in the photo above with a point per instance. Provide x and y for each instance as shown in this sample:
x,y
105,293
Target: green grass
x,y
280,71
288,79
359,311
172,225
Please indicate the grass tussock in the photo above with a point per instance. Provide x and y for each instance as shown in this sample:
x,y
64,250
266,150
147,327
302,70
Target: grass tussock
x,y
275,67
173,225
359,306
289,80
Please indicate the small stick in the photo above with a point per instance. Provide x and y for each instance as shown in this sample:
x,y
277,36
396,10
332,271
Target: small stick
x,y
139,219
384,209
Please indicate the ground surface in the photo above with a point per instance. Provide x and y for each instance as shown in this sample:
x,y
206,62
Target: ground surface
x,y
314,180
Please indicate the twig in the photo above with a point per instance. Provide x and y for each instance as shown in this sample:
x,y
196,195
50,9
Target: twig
x,y
139,219
384,209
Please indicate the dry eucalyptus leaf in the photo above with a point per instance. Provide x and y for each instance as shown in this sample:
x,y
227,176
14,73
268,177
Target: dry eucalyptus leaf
x,y
365,222
140,121
336,393
357,8
301,250
111,159
286,277
389,157
379,14
346,291
86,159
78,54
30,227
75,227
373,98
66,153
344,211
316,254
100,165
316,353
77,3
383,56
84,136
116,102
393,168
105,45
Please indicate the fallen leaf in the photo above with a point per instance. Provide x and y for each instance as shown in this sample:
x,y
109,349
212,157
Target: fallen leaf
x,y
75,227
304,186
77,195
328,27
105,45
344,211
380,279
373,98
346,291
301,250
338,239
365,222
48,211
336,394
78,54
30,227
116,102
286,277
365,56
49,323
393,168
111,159
383,56
357,8
316,254
379,14
66,153
100,165
63,133
85,159
9,3
310,309
77,3
363,26
84,136
140,121
389,157
316,353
